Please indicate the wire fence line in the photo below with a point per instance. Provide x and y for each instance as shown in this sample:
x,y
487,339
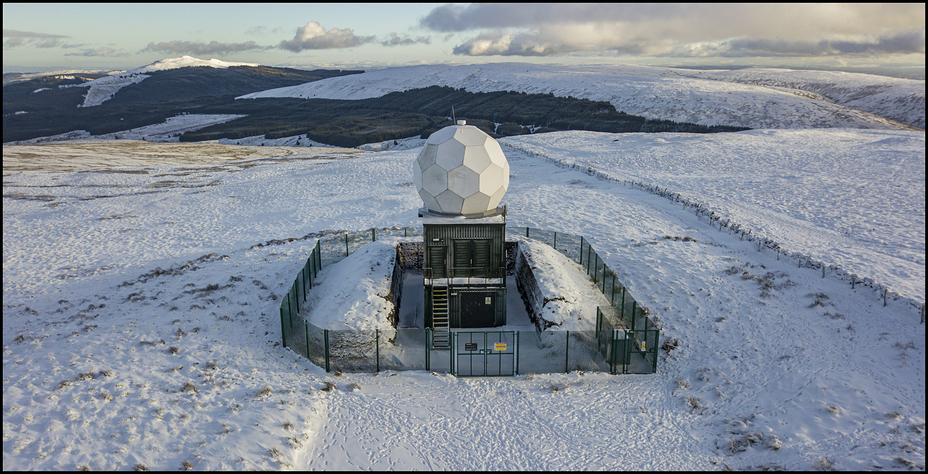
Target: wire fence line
x,y
625,340
883,292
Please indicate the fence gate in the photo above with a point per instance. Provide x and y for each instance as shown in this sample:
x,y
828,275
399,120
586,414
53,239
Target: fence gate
x,y
484,353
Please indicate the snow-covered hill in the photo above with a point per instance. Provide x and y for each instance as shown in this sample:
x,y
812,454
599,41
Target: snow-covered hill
x,y
653,92
848,198
902,100
141,325
102,89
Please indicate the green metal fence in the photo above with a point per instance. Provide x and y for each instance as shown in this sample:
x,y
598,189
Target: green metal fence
x,y
625,340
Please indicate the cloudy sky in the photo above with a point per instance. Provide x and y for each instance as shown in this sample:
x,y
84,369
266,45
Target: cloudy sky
x,y
40,37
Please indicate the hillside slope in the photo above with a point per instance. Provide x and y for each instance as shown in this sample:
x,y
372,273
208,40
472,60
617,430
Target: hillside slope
x,y
652,92
902,100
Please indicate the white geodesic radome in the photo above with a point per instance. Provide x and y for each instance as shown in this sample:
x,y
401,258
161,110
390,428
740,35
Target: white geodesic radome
x,y
461,170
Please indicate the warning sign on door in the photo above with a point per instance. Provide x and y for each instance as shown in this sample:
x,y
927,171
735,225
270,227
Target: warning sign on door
x,y
488,300
499,346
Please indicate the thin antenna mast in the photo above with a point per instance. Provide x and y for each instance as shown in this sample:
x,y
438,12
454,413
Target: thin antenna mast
x,y
453,120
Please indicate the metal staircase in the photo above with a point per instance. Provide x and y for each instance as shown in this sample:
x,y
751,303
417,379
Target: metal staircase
x,y
441,335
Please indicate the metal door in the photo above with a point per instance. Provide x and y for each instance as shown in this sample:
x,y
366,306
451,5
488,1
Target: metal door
x,y
485,353
437,261
477,309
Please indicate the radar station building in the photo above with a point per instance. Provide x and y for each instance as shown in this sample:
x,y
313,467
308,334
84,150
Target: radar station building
x,y
462,175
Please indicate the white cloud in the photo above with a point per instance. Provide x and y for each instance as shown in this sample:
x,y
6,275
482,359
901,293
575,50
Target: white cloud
x,y
314,36
195,48
17,38
99,52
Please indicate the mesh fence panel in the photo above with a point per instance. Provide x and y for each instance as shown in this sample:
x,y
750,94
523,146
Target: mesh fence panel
x,y
353,350
403,349
583,352
315,345
296,339
599,271
569,245
542,352
290,319
545,236
357,240
618,293
628,311
512,230
333,249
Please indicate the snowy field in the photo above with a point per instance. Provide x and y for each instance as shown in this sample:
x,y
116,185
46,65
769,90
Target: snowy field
x,y
852,199
141,323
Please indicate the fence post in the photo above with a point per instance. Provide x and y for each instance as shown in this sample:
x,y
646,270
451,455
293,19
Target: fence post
x,y
634,310
310,263
377,345
283,327
581,251
604,280
526,230
555,241
657,338
326,334
567,354
346,245
628,348
612,352
518,352
373,234
290,305
612,298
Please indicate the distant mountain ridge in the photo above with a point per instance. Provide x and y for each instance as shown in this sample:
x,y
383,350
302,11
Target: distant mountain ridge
x,y
733,98
104,88
52,105
663,99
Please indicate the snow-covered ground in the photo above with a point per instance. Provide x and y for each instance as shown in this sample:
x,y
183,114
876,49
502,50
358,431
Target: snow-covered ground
x,y
682,95
902,100
849,198
141,323
169,131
